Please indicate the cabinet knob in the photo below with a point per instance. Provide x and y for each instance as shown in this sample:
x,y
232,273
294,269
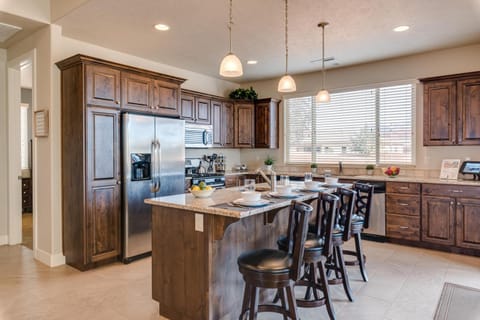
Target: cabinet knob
x,y
119,182
459,203
117,102
452,203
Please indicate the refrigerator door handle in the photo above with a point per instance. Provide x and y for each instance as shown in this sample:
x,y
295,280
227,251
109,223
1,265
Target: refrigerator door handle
x,y
158,158
153,183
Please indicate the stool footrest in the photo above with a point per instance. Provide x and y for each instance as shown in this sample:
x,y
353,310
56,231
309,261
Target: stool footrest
x,y
353,262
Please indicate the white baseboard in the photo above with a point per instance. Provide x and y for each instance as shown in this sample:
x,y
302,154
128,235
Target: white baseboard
x,y
51,260
3,239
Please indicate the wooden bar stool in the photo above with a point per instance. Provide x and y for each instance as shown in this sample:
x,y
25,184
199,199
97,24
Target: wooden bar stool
x,y
276,269
360,221
341,233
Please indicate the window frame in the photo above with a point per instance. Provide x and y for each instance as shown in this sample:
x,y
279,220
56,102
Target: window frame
x,y
414,100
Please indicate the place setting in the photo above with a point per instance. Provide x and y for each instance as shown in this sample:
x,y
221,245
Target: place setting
x,y
250,197
284,189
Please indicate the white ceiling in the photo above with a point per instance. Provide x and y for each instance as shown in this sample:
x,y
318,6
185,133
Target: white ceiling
x,y
360,31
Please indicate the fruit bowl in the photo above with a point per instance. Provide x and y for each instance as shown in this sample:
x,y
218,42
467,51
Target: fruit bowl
x,y
205,193
391,171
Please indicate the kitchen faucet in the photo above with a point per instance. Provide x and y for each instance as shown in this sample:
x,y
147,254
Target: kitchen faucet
x,y
340,168
272,181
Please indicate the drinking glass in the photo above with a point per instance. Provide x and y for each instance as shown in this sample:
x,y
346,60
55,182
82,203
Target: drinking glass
x,y
308,177
327,173
284,180
250,184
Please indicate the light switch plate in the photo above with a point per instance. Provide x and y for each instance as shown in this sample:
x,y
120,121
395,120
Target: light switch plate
x,y
199,222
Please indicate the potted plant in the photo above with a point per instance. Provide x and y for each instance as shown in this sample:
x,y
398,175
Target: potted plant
x,y
243,94
370,168
269,163
313,167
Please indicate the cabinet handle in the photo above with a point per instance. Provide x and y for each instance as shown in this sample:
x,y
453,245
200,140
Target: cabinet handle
x,y
119,182
403,204
459,203
457,191
117,102
402,227
452,203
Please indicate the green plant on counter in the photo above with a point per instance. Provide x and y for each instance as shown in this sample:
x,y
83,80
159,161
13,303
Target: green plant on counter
x,y
313,166
269,161
243,94
370,167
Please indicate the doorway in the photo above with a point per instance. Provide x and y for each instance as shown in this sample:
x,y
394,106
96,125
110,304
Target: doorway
x,y
21,102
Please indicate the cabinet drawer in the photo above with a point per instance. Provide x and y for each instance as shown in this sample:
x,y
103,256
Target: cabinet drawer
x,y
451,190
403,187
403,204
403,227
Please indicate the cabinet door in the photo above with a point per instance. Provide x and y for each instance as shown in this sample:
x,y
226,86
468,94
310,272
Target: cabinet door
x,y
203,111
217,123
103,190
228,134
187,108
266,123
137,92
165,98
103,86
438,220
439,119
468,106
244,125
468,223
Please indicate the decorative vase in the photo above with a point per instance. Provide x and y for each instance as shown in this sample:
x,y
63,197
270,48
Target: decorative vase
x,y
370,172
314,170
268,168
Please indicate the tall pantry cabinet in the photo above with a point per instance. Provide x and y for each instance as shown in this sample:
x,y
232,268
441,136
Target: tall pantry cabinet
x,y
91,169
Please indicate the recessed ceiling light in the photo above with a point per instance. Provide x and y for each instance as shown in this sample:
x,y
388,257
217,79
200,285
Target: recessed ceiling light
x,y
162,27
401,28
252,62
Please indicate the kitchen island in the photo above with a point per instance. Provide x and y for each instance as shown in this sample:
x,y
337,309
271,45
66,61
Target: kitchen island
x,y
195,245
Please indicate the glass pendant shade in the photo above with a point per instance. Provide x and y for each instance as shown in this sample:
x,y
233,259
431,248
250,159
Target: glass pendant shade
x,y
322,96
287,84
231,66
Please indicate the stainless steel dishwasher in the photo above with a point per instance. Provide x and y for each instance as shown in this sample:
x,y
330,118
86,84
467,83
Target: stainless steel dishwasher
x,y
376,228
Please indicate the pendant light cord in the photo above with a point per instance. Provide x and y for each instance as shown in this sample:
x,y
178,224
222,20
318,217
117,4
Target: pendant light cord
x,y
230,25
323,56
286,36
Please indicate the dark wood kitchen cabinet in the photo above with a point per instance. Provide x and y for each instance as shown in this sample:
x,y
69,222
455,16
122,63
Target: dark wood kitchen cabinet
x,y
103,86
195,108
451,215
27,195
244,113
91,173
146,94
452,110
403,211
266,123
222,121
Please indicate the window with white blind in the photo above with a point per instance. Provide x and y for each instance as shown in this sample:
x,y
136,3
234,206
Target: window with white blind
x,y
373,125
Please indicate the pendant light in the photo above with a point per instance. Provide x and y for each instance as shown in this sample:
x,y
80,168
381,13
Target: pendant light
x,y
231,66
286,83
323,95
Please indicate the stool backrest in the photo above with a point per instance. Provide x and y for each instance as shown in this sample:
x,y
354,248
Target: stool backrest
x,y
345,210
364,201
327,208
297,234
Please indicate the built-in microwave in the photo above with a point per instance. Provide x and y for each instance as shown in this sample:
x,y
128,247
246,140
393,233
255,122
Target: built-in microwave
x,y
198,136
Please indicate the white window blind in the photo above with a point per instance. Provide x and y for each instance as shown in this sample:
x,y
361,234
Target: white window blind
x,y
373,125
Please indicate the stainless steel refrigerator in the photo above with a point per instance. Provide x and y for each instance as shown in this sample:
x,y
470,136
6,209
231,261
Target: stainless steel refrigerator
x,y
153,165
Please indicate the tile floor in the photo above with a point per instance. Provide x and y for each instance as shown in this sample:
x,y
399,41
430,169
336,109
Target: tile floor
x,y
405,283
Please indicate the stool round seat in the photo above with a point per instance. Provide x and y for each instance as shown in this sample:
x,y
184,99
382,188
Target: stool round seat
x,y
265,260
312,243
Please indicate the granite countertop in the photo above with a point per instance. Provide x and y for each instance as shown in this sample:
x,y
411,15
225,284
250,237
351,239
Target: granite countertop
x,y
220,202
399,178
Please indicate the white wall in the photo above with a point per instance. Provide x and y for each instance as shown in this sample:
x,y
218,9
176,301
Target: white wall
x,y
3,149
442,62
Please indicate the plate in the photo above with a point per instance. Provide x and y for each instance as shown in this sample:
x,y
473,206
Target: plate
x,y
259,203
316,189
287,196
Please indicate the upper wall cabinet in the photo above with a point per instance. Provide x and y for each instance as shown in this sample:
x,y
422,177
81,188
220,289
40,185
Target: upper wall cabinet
x,y
266,123
102,86
244,124
144,93
195,108
452,110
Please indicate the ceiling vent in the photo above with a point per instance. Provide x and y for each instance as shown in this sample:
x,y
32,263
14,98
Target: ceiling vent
x,y
7,31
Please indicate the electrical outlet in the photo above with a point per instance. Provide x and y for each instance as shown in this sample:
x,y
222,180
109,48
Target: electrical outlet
x,y
199,222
